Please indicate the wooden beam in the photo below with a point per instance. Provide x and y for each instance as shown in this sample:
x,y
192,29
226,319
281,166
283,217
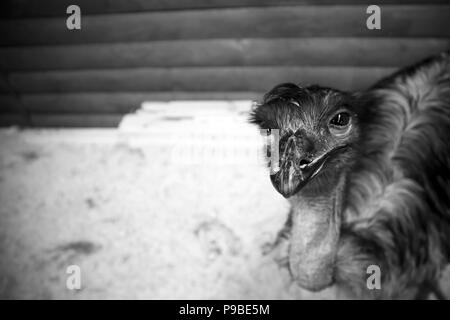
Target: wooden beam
x,y
76,120
5,86
225,52
10,104
273,22
253,79
44,8
110,102
12,119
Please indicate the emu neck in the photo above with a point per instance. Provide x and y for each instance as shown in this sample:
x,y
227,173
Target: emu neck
x,y
315,234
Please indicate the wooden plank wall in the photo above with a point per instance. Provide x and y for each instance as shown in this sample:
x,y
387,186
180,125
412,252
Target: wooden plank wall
x,y
129,51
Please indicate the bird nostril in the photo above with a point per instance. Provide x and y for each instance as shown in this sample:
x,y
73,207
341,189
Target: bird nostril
x,y
304,163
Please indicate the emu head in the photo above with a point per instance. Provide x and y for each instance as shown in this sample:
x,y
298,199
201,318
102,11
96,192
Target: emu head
x,y
317,133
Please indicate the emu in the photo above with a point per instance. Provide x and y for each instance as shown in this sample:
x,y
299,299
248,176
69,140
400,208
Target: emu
x,y
367,175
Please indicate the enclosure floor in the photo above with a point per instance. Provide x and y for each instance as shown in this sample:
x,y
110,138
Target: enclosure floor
x,y
139,223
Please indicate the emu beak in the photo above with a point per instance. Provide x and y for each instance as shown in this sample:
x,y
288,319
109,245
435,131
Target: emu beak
x,y
295,171
292,176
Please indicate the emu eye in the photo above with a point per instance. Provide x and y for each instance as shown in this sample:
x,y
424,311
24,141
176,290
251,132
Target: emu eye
x,y
342,119
340,124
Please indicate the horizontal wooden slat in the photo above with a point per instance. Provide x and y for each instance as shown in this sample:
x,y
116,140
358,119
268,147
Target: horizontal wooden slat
x,y
10,104
61,120
274,22
111,102
258,79
76,120
33,8
4,83
12,119
225,52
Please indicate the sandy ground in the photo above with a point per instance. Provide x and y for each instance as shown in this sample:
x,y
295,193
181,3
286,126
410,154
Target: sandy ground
x,y
173,205
141,220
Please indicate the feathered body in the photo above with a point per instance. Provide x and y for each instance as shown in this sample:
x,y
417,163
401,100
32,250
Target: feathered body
x,y
386,199
397,213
